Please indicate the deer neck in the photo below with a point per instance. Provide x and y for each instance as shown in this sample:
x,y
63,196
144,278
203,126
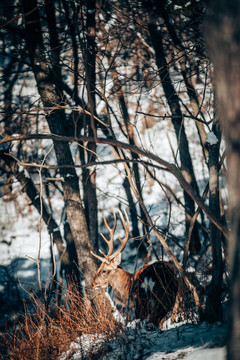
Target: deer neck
x,y
120,281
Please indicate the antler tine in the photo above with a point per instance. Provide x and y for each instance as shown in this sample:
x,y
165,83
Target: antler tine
x,y
111,231
102,259
125,239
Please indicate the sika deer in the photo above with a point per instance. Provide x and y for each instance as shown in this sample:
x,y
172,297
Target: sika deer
x,y
151,291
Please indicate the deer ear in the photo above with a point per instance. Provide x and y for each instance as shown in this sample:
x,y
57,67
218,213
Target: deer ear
x,y
117,260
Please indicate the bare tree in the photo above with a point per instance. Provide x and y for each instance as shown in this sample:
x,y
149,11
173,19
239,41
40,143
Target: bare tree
x,y
50,96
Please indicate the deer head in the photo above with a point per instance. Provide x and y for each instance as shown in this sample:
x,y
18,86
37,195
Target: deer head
x,y
107,272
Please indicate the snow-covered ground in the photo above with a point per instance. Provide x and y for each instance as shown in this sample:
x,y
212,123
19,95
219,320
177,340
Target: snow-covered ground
x,y
141,340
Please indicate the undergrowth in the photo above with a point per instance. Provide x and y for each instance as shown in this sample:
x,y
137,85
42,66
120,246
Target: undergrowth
x,y
48,332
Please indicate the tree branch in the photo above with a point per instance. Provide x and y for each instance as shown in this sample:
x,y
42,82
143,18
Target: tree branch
x,y
133,148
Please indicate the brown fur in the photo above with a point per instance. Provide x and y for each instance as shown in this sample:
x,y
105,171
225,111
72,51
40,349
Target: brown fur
x,y
153,288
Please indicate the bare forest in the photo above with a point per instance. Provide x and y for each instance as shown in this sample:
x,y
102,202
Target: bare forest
x,y
127,108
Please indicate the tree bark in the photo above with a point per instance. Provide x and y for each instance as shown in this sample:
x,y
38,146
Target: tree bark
x,y
223,40
90,70
213,311
50,97
83,122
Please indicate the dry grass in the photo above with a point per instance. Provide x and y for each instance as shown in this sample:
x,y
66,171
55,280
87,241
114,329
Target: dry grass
x,y
47,334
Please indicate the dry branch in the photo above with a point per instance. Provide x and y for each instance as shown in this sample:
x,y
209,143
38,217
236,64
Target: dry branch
x,y
133,148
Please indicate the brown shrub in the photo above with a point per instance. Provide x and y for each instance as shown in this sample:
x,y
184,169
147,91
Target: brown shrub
x,y
46,334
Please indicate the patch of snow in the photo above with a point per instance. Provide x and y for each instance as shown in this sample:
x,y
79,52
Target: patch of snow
x,y
148,284
208,354
211,138
91,11
84,345
26,174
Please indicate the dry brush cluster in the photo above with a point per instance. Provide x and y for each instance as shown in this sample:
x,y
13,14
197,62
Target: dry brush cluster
x,y
49,331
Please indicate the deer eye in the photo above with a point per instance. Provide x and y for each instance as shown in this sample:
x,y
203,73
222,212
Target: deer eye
x,y
104,272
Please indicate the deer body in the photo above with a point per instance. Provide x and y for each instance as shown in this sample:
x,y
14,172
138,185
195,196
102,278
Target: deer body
x,y
150,292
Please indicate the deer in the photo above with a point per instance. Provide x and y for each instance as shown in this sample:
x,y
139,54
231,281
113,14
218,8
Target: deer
x,y
149,293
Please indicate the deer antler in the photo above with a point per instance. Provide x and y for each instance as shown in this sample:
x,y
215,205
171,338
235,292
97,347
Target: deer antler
x,y
110,256
109,242
111,231
125,239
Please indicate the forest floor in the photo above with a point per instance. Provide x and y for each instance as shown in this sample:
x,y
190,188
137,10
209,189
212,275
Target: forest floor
x,y
141,340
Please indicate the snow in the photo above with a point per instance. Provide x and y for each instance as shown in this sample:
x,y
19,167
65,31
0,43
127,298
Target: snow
x,y
19,241
141,340
211,138
208,354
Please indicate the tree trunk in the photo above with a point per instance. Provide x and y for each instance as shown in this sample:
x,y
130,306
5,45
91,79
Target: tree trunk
x,y
177,120
83,122
89,176
135,169
213,306
223,39
56,118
